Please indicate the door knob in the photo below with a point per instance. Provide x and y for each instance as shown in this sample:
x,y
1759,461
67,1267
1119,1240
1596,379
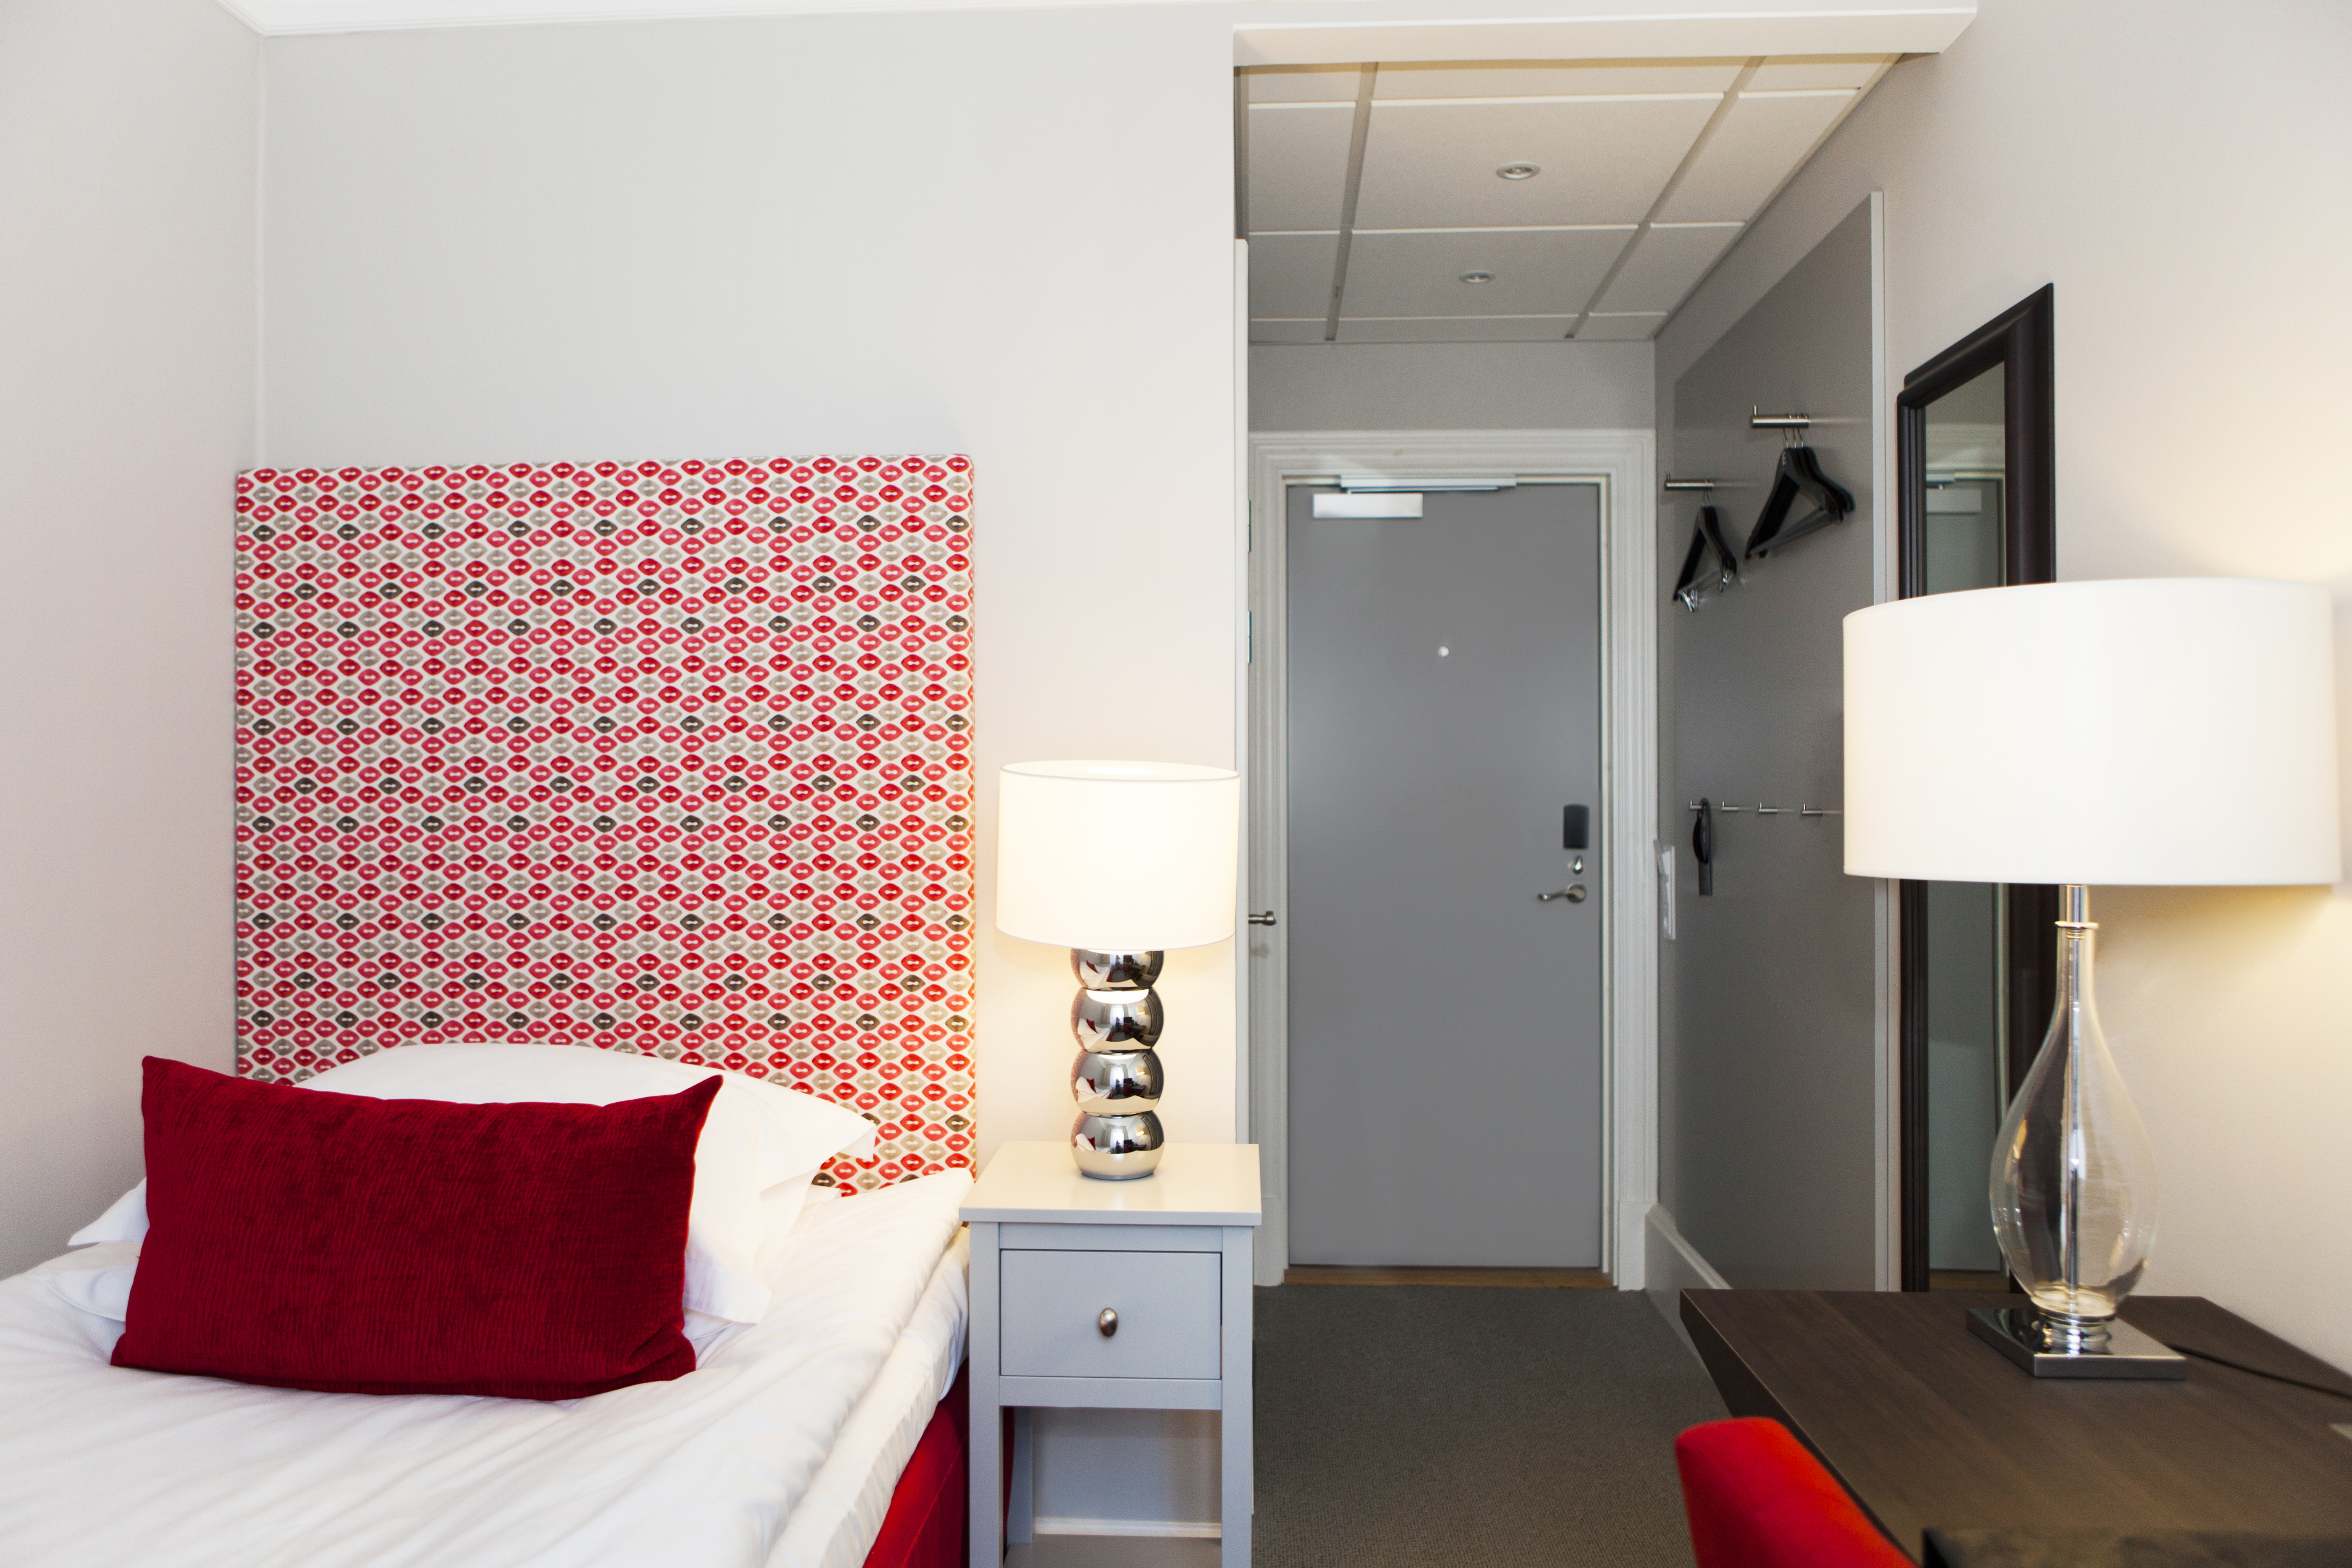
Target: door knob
x,y
1108,1322
1573,893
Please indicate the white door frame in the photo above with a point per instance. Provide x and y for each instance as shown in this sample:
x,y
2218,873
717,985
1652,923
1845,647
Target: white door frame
x,y
1622,463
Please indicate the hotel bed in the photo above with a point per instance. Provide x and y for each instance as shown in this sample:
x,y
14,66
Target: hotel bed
x,y
783,1448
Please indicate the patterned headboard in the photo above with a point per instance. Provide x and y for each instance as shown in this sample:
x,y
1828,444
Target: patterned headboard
x,y
672,758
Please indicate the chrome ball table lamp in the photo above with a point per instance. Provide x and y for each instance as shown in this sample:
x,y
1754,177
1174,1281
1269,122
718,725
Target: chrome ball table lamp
x,y
2175,732
1118,862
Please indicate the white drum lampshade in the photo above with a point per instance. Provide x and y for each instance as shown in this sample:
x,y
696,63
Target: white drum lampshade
x,y
1117,856
2163,730
2168,731
1118,862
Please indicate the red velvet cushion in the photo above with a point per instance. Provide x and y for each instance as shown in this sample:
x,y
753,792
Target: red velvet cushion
x,y
358,1245
1757,1499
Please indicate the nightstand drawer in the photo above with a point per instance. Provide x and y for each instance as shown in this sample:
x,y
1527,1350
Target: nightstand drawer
x,y
1168,1319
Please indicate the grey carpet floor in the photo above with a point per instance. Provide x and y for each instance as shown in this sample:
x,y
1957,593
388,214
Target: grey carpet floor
x,y
1413,1426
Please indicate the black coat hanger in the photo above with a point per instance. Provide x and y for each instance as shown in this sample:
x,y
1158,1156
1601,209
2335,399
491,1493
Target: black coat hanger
x,y
1688,577
1800,474
1832,493
1697,579
1726,559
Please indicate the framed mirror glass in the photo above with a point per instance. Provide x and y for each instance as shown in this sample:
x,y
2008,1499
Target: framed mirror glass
x,y
1975,432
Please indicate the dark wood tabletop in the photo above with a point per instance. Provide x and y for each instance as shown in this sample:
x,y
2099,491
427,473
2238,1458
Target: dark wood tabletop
x,y
1929,1427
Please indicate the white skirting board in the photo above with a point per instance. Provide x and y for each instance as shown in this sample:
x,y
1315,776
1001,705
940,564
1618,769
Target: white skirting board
x,y
1674,1265
1179,1529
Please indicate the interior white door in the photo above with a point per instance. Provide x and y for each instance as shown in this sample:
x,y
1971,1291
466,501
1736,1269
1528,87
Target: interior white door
x,y
1443,678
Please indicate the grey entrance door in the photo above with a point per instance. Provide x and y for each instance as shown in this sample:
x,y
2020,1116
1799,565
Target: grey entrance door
x,y
1444,1024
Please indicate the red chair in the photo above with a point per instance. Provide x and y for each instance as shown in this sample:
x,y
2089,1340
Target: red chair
x,y
1757,1500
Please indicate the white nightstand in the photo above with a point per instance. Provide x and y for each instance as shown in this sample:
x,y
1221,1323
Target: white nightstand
x,y
1053,1253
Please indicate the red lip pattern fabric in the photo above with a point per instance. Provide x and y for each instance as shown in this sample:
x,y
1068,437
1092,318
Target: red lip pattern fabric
x,y
663,757
357,1246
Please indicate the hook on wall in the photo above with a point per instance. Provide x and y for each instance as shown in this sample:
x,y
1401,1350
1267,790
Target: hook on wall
x,y
1760,809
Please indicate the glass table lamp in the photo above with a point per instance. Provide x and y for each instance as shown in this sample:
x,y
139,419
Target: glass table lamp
x,y
1118,862
2165,731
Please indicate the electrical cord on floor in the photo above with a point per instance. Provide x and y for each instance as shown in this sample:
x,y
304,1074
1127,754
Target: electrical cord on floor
x,y
2258,1372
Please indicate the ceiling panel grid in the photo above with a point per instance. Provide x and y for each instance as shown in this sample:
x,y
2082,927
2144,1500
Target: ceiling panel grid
x,y
1517,202
1298,164
1430,162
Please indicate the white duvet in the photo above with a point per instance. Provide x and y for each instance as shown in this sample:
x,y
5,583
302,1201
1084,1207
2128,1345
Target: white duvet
x,y
102,1467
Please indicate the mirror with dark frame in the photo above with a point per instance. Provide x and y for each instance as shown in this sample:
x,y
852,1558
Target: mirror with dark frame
x,y
1975,434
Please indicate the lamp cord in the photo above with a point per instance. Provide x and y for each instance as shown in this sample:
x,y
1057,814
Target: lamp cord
x,y
2258,1372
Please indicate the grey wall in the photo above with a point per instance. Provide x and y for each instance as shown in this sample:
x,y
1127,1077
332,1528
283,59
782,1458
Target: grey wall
x,y
127,276
1450,386
1768,1079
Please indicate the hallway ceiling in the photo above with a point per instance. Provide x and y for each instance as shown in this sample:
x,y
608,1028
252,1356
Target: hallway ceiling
x,y
1647,171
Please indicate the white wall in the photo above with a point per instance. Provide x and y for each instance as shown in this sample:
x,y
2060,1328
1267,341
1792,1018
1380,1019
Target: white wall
x,y
1450,386
984,233
2183,173
127,138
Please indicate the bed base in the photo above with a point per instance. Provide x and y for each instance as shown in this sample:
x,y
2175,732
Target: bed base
x,y
929,1516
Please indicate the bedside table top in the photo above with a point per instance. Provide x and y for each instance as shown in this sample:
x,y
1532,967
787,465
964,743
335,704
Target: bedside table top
x,y
1197,1184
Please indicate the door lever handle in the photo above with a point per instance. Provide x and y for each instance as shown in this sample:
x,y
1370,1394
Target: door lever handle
x,y
1573,893
1265,918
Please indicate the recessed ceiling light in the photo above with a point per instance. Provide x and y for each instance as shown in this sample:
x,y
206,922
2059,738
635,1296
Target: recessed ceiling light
x,y
1517,172
1477,277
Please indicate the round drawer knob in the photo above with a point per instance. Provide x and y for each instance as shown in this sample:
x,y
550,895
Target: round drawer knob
x,y
1109,1321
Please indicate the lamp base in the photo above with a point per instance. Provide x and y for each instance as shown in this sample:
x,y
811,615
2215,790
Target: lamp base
x,y
1117,1148
2017,1334
1117,1079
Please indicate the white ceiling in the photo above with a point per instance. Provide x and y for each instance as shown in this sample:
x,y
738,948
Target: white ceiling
x,y
1649,171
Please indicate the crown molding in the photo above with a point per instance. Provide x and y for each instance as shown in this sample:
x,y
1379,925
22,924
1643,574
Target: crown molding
x,y
290,18
1893,28
1344,32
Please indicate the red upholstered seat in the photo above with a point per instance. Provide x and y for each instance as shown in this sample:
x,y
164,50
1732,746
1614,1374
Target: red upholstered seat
x,y
1757,1500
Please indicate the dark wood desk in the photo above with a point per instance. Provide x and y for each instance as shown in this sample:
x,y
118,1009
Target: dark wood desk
x,y
1929,1427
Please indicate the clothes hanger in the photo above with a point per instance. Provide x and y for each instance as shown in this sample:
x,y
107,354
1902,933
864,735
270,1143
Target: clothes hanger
x,y
1833,502
1686,589
1799,474
1726,559
1836,495
1690,588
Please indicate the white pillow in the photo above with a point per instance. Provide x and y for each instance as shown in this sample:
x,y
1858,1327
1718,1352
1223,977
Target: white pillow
x,y
102,1288
760,1149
